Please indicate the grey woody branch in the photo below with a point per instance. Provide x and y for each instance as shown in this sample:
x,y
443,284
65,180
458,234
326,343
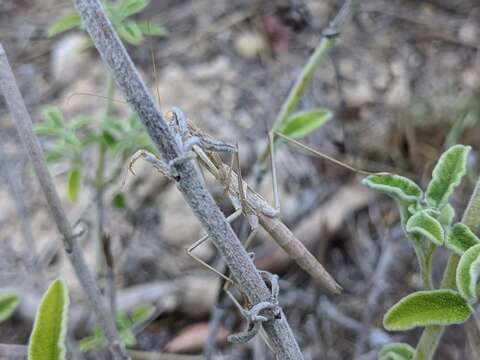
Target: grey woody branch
x,y
23,124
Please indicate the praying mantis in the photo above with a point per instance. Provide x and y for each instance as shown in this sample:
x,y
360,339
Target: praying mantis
x,y
244,198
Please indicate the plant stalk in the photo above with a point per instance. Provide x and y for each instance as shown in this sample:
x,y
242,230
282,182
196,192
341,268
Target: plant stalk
x,y
189,181
23,124
431,334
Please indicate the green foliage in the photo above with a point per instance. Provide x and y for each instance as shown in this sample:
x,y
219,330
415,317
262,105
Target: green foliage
x,y
422,223
125,324
468,270
446,215
8,304
303,123
71,140
47,341
118,12
396,351
74,182
398,187
426,308
447,175
460,238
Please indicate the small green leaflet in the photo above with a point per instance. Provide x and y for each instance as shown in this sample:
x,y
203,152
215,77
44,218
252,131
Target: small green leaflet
x,y
396,351
396,186
468,270
130,32
303,123
47,341
425,308
74,183
8,304
447,175
422,223
63,24
131,7
460,238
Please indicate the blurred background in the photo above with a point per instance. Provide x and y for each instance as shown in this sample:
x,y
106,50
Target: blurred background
x,y
402,83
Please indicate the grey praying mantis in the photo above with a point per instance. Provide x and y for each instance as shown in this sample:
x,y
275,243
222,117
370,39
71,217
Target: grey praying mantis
x,y
245,199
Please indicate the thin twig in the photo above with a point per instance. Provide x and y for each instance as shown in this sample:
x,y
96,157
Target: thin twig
x,y
189,181
23,124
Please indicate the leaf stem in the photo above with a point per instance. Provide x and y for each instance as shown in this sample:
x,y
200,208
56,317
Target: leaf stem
x,y
431,334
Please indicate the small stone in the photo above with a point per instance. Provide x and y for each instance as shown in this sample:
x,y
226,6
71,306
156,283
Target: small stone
x,y
468,33
250,44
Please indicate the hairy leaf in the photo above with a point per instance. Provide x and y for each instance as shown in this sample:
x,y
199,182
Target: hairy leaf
x,y
74,184
468,270
302,123
47,341
396,186
447,174
446,215
425,308
460,238
396,351
421,223
152,29
8,304
64,24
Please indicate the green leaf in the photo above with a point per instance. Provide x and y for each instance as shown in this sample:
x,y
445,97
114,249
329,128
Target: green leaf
x,y
446,215
47,341
8,304
151,29
394,351
142,313
468,270
460,238
396,186
63,24
130,32
302,123
421,223
74,183
447,175
131,7
53,117
119,201
426,308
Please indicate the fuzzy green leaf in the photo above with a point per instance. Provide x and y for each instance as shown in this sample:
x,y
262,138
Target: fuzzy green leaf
x,y
446,215
47,341
468,270
64,24
426,308
152,29
130,32
421,223
460,238
74,183
8,304
396,186
396,351
303,123
447,175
